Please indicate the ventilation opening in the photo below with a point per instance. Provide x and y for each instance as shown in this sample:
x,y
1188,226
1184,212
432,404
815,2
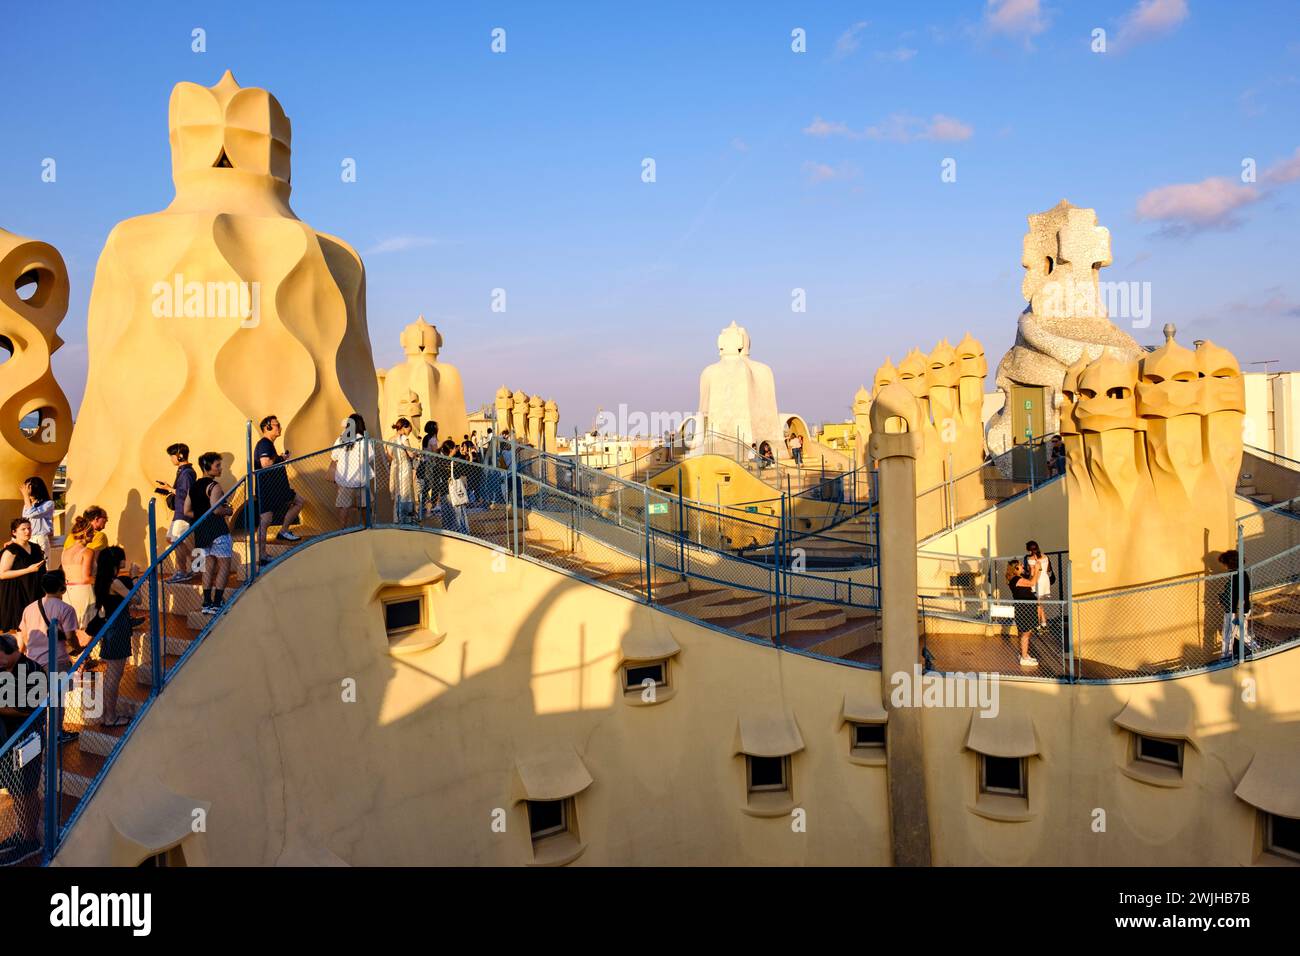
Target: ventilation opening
x,y
33,286
223,161
6,349
40,425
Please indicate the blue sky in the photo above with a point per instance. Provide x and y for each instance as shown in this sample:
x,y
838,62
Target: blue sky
x,y
775,170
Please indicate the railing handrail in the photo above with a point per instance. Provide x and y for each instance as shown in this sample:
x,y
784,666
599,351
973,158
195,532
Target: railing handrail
x,y
1265,453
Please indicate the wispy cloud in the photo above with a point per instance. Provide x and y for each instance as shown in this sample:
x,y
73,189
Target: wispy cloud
x,y
1287,171
739,145
1190,207
1016,18
1212,204
901,55
1150,19
823,173
898,128
403,243
848,41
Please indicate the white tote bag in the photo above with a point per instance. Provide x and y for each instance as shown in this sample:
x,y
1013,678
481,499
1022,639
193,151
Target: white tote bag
x,y
457,493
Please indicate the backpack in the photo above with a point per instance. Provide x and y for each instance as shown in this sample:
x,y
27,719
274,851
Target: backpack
x,y
59,636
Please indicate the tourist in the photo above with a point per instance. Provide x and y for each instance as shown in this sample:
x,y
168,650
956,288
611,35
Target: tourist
x,y
1022,593
34,630
1236,607
22,783
453,502
1057,460
98,519
796,449
78,564
765,457
352,466
402,472
39,510
212,532
21,566
178,497
276,501
112,587
1041,573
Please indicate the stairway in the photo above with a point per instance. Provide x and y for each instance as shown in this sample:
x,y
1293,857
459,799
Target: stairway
x,y
820,627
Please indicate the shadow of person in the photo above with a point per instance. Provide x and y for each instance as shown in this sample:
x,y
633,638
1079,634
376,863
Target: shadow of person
x,y
133,526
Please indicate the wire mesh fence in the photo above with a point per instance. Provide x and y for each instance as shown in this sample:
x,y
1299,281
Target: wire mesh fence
x,y
998,636
1270,530
1161,629
1272,603
22,781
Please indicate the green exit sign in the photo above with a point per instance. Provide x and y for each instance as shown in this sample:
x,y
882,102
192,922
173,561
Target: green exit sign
x,y
659,508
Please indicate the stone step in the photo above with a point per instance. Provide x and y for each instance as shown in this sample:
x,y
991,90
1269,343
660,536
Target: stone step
x,y
823,619
174,646
736,605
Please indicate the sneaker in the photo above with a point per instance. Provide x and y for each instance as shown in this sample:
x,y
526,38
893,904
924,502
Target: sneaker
x,y
68,736
181,577
287,536
208,610
1028,662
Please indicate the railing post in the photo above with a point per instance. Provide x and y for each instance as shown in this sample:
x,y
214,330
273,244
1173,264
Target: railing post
x,y
778,569
366,448
649,561
988,568
515,499
53,726
952,503
155,592
250,507
1241,595
681,523
1069,615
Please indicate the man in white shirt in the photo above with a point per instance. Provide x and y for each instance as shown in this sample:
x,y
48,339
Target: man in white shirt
x,y
352,466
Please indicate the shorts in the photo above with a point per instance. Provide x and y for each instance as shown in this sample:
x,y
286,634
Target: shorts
x,y
179,527
274,496
349,497
222,547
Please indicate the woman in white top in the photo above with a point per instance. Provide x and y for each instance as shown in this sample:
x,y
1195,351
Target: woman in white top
x,y
1041,571
39,510
401,474
352,466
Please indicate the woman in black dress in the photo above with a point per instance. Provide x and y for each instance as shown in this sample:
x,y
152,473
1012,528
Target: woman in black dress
x,y
112,586
1022,592
425,471
21,565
